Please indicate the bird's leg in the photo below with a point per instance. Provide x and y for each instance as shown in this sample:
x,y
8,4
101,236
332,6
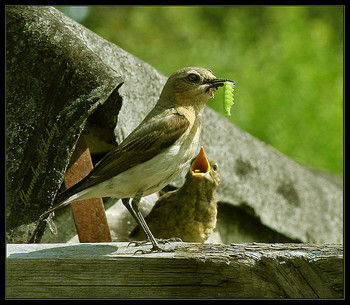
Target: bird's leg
x,y
135,212
135,202
127,204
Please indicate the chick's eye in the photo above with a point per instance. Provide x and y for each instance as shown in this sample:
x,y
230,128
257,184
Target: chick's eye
x,y
193,78
215,167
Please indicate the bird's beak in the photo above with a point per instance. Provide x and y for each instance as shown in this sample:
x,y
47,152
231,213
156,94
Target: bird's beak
x,y
200,166
219,82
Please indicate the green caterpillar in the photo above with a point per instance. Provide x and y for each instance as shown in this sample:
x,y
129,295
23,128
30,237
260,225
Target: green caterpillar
x,y
228,96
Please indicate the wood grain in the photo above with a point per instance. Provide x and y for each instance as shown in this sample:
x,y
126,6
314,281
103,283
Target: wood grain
x,y
189,270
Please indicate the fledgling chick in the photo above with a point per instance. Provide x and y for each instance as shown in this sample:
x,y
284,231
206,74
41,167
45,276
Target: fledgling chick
x,y
190,212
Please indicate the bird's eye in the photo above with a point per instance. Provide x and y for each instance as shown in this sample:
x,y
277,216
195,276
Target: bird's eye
x,y
215,167
194,78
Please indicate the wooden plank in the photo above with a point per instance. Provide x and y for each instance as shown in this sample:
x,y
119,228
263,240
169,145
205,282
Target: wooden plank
x,y
190,270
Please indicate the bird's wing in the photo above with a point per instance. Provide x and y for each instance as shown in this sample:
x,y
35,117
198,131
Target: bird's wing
x,y
145,142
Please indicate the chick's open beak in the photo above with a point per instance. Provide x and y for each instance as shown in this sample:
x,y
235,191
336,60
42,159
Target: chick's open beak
x,y
200,166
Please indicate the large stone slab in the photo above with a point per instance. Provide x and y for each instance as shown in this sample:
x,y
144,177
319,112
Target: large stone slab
x,y
53,83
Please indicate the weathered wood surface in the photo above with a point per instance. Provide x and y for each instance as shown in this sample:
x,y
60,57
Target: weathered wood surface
x,y
114,270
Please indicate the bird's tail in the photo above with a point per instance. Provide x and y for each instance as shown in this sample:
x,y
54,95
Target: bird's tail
x,y
63,200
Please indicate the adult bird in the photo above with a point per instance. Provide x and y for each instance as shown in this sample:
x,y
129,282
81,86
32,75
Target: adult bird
x,y
154,153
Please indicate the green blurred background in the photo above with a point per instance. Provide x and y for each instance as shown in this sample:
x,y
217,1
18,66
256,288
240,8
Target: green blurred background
x,y
287,62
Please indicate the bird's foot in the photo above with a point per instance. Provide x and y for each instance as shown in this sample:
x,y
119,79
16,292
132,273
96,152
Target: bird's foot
x,y
152,250
137,243
155,247
173,239
159,240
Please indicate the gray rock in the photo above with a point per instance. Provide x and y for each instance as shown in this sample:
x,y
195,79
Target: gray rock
x,y
53,83
284,195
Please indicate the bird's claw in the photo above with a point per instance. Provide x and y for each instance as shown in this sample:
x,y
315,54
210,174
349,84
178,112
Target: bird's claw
x,y
159,240
168,240
138,243
153,250
155,247
174,239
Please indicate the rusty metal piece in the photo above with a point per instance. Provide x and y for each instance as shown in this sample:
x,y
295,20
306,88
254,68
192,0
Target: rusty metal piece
x,y
89,215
